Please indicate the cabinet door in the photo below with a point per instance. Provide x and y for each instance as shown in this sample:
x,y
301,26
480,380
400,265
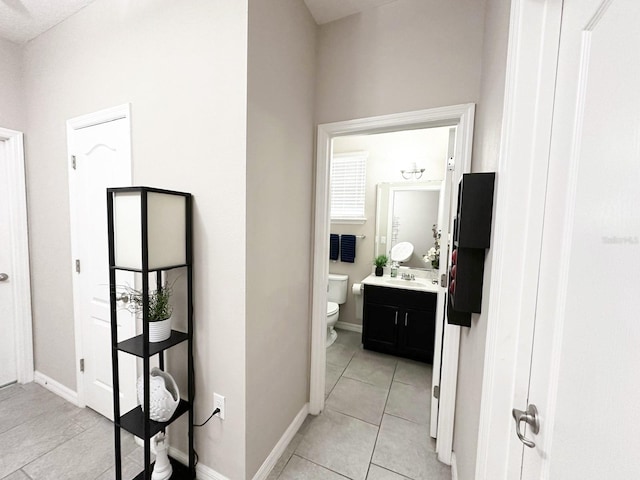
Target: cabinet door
x,y
417,334
380,327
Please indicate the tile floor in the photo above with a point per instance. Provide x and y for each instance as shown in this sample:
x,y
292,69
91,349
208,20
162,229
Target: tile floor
x,y
43,437
375,425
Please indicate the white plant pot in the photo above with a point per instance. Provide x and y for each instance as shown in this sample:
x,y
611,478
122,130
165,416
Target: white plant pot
x,y
160,331
164,395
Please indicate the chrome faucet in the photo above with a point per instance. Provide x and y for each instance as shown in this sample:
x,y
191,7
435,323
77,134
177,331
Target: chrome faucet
x,y
408,276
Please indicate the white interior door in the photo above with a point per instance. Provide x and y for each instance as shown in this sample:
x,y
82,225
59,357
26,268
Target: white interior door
x,y
102,159
586,351
8,365
444,219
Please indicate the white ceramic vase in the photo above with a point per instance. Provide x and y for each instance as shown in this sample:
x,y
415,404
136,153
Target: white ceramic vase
x,y
164,395
160,331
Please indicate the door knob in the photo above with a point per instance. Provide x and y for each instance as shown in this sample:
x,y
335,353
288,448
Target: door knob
x,y
4,277
123,297
530,417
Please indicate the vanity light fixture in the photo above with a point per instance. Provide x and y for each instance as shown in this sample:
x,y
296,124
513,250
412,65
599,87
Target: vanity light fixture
x,y
413,172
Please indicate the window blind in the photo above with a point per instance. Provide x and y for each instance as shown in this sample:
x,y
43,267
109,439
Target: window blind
x,y
348,186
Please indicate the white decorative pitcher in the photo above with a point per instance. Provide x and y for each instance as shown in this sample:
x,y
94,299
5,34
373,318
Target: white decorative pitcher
x,y
164,395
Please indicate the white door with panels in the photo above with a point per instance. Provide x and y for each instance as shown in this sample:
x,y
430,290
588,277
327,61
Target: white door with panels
x,y
584,390
8,366
100,157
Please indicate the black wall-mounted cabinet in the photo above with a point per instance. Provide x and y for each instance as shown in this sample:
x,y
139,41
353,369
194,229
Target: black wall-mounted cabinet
x,y
399,322
151,263
471,236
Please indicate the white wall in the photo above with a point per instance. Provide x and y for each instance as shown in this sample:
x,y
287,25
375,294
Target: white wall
x,y
280,155
12,110
388,153
405,55
486,150
182,65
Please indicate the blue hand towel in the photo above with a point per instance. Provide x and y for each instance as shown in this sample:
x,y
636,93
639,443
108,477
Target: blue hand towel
x,y
334,246
348,248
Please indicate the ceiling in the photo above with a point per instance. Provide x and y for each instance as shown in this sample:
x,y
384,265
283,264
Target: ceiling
x,y
325,11
24,20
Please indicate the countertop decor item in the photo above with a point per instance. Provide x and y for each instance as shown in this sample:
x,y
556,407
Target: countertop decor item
x,y
164,395
433,255
380,261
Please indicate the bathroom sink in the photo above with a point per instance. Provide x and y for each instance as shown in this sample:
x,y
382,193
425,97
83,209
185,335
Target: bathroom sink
x,y
419,283
407,283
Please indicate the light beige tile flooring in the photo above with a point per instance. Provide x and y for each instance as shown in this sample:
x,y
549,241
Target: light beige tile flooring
x,y
43,437
375,425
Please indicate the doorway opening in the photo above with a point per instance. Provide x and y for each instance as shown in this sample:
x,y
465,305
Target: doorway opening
x,y
460,117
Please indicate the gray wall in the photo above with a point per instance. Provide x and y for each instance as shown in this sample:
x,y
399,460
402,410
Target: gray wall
x,y
182,65
405,55
12,113
282,56
486,151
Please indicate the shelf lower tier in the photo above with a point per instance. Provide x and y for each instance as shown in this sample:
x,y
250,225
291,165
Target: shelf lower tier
x,y
134,345
133,421
180,471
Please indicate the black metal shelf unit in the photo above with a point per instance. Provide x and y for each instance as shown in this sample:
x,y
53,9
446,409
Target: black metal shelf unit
x,y
137,421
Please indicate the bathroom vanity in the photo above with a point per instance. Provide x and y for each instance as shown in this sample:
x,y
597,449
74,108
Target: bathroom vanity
x,y
399,316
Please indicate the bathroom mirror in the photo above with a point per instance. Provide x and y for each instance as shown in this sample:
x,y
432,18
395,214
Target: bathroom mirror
x,y
406,212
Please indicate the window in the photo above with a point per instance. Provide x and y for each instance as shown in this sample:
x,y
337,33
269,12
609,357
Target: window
x,y
348,187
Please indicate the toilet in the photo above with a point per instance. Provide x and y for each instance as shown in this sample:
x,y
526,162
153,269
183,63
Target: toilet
x,y
336,296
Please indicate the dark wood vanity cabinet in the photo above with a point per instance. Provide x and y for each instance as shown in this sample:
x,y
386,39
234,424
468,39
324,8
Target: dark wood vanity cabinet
x,y
399,322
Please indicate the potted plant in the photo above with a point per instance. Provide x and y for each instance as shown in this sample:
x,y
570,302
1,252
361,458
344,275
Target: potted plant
x,y
380,261
160,310
433,255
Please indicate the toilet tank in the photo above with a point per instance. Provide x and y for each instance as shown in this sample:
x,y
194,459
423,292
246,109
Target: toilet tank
x,y
337,288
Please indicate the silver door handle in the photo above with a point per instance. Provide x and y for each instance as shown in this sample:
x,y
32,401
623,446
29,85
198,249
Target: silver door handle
x,y
123,297
406,314
4,277
531,418
396,318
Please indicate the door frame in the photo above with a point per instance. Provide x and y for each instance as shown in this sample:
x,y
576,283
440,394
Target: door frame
x,y
534,35
461,116
96,118
20,271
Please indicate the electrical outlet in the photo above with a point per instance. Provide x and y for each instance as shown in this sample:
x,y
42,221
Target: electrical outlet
x,y
218,402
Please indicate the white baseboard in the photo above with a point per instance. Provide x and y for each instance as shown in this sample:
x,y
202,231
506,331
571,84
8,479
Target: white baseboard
x,y
202,471
281,446
56,387
352,327
454,467
206,473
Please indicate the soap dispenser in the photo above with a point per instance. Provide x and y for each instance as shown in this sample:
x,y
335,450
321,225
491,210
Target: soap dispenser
x,y
394,269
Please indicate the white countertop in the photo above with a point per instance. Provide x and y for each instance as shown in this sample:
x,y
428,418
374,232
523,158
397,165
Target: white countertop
x,y
420,284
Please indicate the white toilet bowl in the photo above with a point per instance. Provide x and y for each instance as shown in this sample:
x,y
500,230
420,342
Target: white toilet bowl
x,y
336,295
333,313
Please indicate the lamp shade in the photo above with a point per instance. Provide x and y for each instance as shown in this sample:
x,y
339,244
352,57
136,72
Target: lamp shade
x,y
163,213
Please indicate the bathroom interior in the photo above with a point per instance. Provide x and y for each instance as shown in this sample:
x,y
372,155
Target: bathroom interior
x,y
405,178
